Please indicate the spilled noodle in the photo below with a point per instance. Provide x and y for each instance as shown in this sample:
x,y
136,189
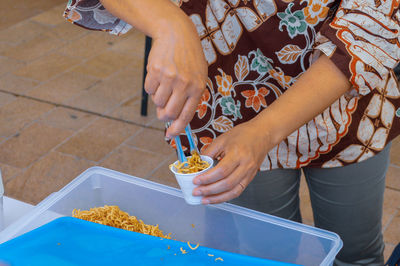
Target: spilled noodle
x,y
113,216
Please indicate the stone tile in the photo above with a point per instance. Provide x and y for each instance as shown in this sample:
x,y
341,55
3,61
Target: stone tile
x,y
9,65
33,142
38,46
392,198
51,17
99,139
130,77
395,152
89,45
104,64
387,216
67,119
391,205
105,96
49,174
11,15
63,88
6,98
42,5
388,251
46,67
132,43
393,177
133,161
4,46
163,175
130,111
157,124
15,84
122,85
19,10
151,140
8,172
68,31
305,202
17,114
93,101
392,233
22,32
308,222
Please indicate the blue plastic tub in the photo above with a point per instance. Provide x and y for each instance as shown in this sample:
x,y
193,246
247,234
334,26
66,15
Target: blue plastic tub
x,y
224,227
70,241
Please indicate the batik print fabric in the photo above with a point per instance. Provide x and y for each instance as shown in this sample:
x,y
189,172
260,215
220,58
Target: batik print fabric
x,y
257,49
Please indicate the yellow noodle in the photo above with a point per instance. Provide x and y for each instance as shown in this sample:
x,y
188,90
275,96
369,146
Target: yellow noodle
x,y
194,164
113,216
193,248
183,251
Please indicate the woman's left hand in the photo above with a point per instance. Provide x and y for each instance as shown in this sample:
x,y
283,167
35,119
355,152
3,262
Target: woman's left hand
x,y
240,152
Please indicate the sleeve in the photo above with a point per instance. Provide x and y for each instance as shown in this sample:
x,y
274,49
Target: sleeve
x,y
362,39
90,14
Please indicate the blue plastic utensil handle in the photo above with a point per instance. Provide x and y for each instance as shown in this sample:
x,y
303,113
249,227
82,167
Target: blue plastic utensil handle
x,y
181,155
189,135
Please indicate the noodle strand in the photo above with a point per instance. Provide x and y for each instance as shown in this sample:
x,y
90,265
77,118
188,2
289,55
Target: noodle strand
x,y
193,165
113,216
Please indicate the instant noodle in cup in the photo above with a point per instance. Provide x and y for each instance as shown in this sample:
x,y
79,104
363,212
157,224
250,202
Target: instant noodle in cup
x,y
185,181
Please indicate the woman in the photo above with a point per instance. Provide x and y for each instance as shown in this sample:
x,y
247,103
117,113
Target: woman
x,y
278,86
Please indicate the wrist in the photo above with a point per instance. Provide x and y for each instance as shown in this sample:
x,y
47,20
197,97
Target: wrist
x,y
268,129
175,24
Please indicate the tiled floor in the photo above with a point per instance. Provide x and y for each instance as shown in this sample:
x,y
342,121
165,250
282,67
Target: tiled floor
x,y
70,99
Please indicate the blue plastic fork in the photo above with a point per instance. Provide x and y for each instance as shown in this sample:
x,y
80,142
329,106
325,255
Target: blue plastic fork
x,y
193,147
179,149
181,154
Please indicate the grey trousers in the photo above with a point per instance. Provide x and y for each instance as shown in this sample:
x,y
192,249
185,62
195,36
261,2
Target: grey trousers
x,y
346,200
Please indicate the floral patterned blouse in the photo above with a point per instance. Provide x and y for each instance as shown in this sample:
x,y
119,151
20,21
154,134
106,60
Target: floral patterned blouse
x,y
257,49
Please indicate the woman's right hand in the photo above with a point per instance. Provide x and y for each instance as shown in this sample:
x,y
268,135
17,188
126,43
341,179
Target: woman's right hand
x,y
177,68
177,73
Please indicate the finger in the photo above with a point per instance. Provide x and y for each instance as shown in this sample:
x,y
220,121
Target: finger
x,y
173,108
223,169
229,195
224,185
151,83
214,149
185,116
163,93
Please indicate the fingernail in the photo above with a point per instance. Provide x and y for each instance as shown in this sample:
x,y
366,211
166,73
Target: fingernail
x,y
197,182
205,201
197,193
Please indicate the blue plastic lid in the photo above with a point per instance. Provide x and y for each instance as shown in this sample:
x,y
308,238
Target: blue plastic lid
x,y
71,241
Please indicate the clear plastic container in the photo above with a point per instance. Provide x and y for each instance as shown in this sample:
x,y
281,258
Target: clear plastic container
x,y
226,227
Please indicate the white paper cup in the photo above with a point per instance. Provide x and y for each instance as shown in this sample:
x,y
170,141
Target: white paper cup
x,y
185,181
